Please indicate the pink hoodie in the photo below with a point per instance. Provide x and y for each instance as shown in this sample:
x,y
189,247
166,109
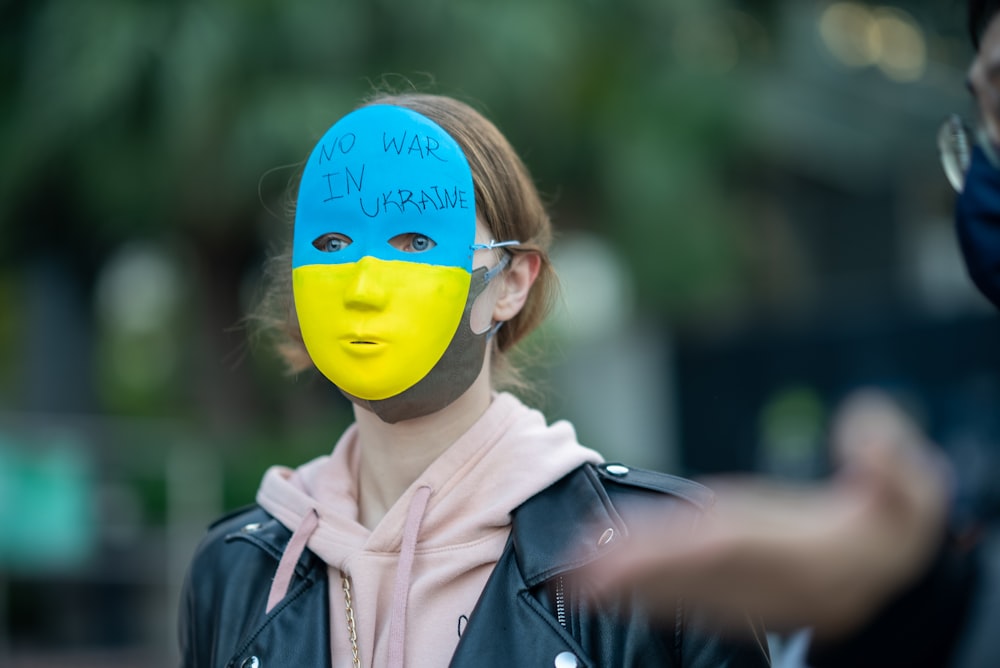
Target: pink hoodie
x,y
432,553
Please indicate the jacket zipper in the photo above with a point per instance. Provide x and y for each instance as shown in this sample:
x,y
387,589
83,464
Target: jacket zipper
x,y
561,601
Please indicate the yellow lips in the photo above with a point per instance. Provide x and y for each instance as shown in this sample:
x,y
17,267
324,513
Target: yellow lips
x,y
361,347
376,327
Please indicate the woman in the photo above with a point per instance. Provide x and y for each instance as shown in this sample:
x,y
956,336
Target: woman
x,y
443,525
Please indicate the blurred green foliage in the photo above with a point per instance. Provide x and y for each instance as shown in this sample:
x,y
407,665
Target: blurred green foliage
x,y
156,119
170,131
151,143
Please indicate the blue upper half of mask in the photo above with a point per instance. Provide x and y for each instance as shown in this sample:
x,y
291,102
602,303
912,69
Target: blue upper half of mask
x,y
382,171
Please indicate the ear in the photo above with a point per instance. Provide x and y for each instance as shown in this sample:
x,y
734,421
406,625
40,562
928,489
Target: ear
x,y
517,281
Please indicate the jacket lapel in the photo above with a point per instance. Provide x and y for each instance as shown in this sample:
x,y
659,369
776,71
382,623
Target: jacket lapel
x,y
566,526
557,530
510,628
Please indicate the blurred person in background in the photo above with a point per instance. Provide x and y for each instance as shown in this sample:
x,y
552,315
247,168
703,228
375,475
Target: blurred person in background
x,y
977,208
873,561
438,530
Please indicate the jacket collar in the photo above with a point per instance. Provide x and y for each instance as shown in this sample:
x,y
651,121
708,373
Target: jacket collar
x,y
567,525
267,533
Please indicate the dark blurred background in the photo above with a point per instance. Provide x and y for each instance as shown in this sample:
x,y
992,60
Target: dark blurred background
x,y
752,222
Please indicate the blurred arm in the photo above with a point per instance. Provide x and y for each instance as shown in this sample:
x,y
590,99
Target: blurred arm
x,y
828,556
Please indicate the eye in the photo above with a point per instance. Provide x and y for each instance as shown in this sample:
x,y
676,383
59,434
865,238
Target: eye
x,y
412,242
331,242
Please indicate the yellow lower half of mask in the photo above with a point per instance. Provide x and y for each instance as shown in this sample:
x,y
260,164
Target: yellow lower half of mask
x,y
375,327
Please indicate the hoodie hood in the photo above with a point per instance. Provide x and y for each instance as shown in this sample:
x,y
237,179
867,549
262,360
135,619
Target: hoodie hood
x,y
435,548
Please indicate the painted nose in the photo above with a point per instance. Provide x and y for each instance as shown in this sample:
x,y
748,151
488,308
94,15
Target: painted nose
x,y
365,290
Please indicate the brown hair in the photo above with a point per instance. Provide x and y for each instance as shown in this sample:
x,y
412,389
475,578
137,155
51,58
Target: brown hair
x,y
507,202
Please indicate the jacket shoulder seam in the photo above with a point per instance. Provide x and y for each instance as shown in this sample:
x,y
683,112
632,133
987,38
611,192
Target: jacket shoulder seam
x,y
233,514
612,473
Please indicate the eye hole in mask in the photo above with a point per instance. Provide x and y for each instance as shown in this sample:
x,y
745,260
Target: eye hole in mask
x,y
331,242
412,242
409,242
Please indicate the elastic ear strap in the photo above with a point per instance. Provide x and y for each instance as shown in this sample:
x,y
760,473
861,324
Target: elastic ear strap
x,y
494,244
504,261
493,330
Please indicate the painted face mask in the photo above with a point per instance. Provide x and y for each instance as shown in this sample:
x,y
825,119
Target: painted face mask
x,y
382,262
977,220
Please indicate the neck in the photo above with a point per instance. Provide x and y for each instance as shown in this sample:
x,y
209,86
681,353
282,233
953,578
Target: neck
x,y
392,456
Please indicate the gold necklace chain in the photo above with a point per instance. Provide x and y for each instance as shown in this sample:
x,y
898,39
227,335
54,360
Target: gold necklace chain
x,y
352,632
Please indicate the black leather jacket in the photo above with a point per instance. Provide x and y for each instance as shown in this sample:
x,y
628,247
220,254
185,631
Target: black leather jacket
x,y
529,612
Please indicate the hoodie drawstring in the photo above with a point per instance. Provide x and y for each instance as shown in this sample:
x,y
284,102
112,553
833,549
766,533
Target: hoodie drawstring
x,y
289,558
401,588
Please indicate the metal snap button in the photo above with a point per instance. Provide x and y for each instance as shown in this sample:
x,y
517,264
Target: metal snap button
x,y
616,470
566,660
250,528
250,662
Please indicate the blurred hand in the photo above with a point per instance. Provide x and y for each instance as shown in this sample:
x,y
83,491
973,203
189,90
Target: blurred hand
x,y
825,556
